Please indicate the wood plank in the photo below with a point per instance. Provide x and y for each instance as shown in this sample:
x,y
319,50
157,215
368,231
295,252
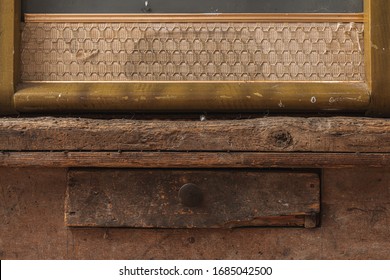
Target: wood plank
x,y
276,134
354,225
192,160
189,198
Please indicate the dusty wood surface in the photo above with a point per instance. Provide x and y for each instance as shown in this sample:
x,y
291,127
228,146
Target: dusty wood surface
x,y
121,159
155,198
276,134
354,225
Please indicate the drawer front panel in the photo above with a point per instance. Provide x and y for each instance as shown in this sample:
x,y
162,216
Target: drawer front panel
x,y
190,198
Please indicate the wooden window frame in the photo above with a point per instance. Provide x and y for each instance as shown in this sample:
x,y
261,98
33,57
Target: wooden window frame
x,y
363,97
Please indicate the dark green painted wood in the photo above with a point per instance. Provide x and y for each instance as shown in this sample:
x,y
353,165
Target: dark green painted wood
x,y
183,6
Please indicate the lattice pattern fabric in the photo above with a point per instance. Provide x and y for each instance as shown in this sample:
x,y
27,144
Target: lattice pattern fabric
x,y
192,52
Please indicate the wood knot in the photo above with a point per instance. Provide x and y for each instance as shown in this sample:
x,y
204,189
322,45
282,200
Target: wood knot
x,y
281,139
191,240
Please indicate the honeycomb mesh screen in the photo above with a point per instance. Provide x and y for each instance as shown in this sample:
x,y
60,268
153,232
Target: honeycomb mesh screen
x,y
192,51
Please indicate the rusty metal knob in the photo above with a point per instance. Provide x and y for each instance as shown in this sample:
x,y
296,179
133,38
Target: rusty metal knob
x,y
190,195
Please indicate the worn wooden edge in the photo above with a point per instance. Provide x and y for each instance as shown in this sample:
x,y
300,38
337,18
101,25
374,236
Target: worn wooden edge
x,y
312,220
267,134
192,97
196,160
225,17
277,221
9,53
379,47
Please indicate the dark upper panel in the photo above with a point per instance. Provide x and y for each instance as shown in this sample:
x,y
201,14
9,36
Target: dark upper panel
x,y
190,6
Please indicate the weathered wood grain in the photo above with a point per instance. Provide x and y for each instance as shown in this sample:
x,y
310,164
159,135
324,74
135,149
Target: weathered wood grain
x,y
193,160
354,225
276,134
228,198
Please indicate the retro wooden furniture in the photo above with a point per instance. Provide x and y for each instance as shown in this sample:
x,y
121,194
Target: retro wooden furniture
x,y
174,186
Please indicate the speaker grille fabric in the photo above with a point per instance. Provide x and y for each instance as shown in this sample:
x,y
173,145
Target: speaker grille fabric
x,y
193,52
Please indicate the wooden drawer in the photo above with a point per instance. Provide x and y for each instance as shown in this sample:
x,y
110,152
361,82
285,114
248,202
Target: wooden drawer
x,y
157,198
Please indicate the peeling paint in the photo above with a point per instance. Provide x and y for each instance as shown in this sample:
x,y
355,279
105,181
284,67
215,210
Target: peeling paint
x,y
139,99
283,203
374,46
258,94
341,99
313,100
167,97
226,97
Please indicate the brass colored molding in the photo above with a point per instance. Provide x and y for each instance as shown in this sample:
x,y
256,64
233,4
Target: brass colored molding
x,y
123,18
367,43
379,47
193,97
9,53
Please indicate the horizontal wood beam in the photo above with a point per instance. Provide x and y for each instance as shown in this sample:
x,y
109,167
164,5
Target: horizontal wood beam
x,y
268,134
192,160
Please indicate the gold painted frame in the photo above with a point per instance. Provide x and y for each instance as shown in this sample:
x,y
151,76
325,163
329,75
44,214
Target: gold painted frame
x,y
369,96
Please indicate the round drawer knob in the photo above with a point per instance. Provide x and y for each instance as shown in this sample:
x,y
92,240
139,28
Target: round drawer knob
x,y
190,195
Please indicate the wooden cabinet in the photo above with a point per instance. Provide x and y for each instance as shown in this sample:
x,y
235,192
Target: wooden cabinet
x,y
104,169
242,184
